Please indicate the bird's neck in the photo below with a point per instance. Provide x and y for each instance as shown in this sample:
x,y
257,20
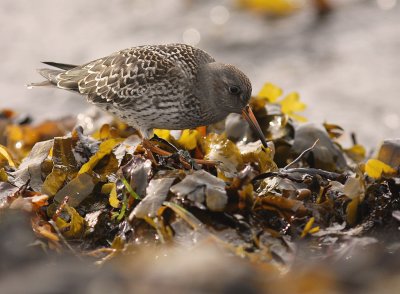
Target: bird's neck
x,y
203,88
207,85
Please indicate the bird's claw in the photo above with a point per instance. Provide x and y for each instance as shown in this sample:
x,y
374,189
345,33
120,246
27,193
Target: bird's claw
x,y
181,156
185,155
163,141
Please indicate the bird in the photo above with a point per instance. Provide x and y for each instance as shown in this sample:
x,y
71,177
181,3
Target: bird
x,y
172,86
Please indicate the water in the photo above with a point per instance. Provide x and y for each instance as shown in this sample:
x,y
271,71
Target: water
x,y
345,67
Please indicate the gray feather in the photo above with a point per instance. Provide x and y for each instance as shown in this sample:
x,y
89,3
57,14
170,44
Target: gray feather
x,y
49,74
63,66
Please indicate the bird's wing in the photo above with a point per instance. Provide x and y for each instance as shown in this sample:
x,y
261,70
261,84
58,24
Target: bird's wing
x,y
122,76
63,66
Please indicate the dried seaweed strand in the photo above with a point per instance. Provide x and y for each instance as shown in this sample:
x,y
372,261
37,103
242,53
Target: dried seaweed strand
x,y
316,171
129,189
60,235
185,215
302,154
310,171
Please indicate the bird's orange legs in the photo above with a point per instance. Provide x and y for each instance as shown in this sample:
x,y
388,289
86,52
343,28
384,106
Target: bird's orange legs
x,y
157,150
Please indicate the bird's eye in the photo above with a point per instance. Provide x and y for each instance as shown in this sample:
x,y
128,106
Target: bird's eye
x,y
235,90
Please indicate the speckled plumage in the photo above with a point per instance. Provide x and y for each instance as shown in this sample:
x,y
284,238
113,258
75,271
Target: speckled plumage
x,y
172,86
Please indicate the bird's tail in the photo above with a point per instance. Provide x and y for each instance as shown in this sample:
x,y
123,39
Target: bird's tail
x,y
52,76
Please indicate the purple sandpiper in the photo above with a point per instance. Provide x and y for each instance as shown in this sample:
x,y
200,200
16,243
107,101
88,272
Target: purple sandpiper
x,y
173,86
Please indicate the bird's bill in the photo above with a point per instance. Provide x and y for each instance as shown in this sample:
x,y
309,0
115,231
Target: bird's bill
x,y
251,119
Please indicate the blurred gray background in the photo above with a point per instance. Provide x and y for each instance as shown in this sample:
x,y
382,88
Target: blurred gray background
x,y
345,66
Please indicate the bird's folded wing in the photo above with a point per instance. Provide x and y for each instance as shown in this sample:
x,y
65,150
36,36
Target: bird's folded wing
x,y
122,76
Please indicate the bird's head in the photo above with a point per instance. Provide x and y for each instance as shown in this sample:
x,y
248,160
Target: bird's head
x,y
225,89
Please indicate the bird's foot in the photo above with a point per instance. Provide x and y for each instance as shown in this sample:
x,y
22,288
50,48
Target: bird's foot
x,y
165,142
186,157
182,156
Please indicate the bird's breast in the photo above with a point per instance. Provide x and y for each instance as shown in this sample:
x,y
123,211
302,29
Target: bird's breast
x,y
161,111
